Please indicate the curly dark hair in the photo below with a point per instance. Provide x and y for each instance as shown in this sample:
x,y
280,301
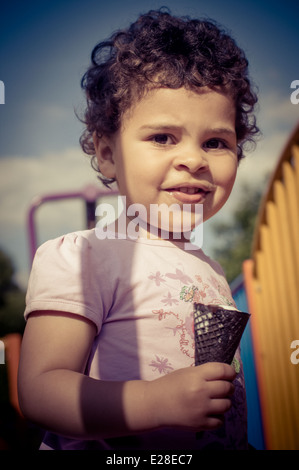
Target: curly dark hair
x,y
160,50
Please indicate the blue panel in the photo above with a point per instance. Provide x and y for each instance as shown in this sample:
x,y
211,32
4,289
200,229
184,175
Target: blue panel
x,y
255,430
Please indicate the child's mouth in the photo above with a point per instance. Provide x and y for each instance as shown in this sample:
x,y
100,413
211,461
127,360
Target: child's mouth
x,y
187,190
188,195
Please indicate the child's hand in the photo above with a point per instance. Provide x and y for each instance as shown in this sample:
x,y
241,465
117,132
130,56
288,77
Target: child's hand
x,y
193,398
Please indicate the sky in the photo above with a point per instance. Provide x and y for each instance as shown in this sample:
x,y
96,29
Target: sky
x,y
45,48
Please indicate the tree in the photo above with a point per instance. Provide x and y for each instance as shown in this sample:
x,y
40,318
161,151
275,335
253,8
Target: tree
x,y
234,237
12,299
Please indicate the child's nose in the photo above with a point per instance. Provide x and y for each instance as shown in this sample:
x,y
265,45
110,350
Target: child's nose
x,y
193,160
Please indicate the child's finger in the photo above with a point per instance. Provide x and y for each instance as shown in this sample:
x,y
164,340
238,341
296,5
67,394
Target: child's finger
x,y
221,388
219,406
218,371
212,422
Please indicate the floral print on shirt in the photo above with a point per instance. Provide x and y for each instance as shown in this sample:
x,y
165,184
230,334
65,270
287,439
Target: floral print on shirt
x,y
178,289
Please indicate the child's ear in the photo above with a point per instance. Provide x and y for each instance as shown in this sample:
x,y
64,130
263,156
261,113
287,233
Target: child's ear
x,y
104,153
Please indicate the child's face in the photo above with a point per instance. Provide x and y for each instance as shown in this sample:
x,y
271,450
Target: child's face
x,y
174,146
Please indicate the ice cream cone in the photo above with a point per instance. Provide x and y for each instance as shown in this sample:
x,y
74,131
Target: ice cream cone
x,y
218,331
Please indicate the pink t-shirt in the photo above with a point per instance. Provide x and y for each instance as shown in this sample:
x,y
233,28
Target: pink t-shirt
x,y
139,294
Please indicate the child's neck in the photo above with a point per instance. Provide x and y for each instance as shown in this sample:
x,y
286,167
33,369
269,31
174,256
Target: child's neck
x,y
144,230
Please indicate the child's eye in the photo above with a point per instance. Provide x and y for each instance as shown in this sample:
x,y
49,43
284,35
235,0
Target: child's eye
x,y
215,144
162,139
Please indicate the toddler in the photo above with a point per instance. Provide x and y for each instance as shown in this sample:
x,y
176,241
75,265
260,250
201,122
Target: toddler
x,y
107,357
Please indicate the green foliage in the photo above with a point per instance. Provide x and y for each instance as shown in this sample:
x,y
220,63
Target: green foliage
x,y
16,433
12,299
234,237
6,271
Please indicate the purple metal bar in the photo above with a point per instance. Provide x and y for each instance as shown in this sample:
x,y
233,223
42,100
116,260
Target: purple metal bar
x,y
89,194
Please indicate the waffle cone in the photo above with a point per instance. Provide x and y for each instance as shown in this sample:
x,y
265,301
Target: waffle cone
x,y
218,332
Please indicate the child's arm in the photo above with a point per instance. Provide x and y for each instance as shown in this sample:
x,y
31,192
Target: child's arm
x,y
54,393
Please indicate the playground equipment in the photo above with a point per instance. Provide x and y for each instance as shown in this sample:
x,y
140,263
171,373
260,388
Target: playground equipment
x,y
90,195
271,281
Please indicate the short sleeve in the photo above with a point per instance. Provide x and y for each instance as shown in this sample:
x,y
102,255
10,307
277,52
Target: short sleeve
x,y
62,279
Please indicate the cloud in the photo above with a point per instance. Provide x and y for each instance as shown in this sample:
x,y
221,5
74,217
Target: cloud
x,y
277,113
277,119
23,179
56,112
